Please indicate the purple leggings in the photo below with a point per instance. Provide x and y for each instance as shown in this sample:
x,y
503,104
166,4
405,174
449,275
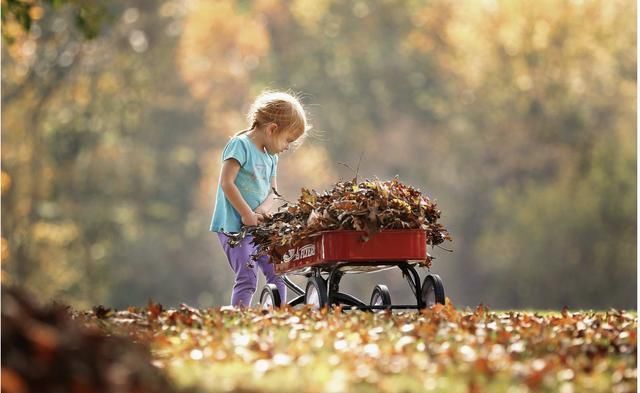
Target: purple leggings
x,y
246,278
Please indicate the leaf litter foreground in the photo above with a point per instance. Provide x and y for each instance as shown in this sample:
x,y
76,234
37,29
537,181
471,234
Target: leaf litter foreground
x,y
437,349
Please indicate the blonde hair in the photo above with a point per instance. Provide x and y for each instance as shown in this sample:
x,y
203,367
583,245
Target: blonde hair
x,y
283,109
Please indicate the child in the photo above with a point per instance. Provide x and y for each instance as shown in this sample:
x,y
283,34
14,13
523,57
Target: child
x,y
247,180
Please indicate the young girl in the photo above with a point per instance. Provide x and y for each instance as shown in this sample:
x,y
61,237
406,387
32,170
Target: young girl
x,y
247,180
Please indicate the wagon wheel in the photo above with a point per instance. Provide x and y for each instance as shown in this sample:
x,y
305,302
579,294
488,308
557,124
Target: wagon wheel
x,y
380,296
316,293
432,291
270,297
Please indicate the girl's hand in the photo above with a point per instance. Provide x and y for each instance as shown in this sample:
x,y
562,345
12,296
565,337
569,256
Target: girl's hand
x,y
250,219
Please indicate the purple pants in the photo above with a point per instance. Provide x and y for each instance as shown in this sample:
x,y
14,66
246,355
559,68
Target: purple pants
x,y
246,277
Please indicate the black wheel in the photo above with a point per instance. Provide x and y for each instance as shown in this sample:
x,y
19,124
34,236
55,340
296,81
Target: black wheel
x,y
316,293
432,291
270,297
380,296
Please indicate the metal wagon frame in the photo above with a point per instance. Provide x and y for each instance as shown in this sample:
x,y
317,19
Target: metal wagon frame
x,y
326,257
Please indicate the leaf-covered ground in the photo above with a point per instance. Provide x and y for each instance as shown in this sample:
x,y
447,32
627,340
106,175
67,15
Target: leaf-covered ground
x,y
440,349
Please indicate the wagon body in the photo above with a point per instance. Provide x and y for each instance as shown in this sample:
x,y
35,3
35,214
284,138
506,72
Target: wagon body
x,y
328,248
326,256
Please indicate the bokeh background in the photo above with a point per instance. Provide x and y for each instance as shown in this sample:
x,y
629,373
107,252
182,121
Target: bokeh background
x,y
518,117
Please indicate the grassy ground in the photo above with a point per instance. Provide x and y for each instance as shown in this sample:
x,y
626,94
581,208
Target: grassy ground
x,y
440,350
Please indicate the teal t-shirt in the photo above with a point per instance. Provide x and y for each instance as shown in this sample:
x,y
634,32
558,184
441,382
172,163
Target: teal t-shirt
x,y
257,168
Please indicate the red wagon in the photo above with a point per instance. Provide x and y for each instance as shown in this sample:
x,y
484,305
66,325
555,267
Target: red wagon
x,y
325,257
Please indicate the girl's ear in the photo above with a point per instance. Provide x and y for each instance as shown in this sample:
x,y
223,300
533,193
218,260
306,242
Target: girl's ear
x,y
271,128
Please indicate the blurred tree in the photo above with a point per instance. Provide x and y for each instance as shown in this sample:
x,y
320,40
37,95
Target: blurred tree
x,y
554,91
516,116
103,163
19,15
584,222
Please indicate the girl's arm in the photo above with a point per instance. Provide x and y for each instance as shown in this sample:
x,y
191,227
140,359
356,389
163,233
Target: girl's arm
x,y
230,169
266,206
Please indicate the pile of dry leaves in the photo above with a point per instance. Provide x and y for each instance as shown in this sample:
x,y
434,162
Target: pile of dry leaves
x,y
369,206
45,350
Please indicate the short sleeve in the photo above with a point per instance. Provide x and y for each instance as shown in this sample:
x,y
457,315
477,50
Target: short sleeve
x,y
274,169
235,149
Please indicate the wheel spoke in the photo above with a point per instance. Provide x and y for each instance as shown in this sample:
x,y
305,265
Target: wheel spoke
x,y
313,298
430,296
432,291
380,297
316,292
270,297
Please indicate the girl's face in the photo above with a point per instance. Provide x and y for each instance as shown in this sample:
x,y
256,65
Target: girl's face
x,y
279,142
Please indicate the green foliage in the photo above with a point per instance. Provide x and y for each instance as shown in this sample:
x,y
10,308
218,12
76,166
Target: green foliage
x,y
89,16
19,11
